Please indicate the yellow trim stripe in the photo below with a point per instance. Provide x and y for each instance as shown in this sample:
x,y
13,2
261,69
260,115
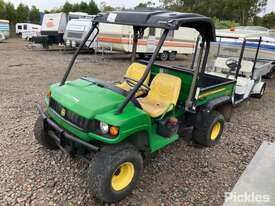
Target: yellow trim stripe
x,y
211,92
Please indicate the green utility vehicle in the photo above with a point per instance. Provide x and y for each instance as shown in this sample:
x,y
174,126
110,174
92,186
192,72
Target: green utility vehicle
x,y
116,126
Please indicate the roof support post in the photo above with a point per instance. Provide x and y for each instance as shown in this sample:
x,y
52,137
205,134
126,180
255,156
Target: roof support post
x,y
135,41
69,68
256,57
240,59
189,101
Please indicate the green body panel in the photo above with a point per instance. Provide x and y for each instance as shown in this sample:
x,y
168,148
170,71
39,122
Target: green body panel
x,y
94,102
157,142
214,93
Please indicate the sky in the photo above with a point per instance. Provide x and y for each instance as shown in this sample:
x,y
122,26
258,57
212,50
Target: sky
x,y
50,4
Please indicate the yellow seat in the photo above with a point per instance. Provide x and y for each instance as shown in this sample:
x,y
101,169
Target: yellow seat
x,y
135,71
164,92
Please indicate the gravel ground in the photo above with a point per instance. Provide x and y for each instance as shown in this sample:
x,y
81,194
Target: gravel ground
x,y
178,175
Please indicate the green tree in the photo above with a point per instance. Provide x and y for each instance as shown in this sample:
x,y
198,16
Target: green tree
x,y
34,15
148,4
10,13
22,13
93,9
75,7
83,7
243,11
2,9
269,20
68,7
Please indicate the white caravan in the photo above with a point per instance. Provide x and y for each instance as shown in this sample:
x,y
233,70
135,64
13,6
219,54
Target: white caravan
x,y
247,71
120,38
76,31
4,29
27,29
52,30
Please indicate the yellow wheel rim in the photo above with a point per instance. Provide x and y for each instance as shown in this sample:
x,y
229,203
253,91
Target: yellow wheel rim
x,y
123,176
215,131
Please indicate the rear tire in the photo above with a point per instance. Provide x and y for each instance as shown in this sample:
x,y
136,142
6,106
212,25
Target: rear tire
x,y
172,56
164,56
209,134
262,92
114,172
41,136
270,75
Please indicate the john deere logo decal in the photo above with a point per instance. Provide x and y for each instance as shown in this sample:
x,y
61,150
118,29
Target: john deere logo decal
x,y
63,112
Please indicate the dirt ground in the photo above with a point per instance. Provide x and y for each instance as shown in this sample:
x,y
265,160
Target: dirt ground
x,y
178,175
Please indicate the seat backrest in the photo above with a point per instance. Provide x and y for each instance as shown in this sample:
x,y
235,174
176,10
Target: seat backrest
x,y
165,88
136,71
246,68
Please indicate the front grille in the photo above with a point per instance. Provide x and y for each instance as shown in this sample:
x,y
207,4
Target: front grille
x,y
75,35
80,122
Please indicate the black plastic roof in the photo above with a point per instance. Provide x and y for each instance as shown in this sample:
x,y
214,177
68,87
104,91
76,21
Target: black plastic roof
x,y
161,19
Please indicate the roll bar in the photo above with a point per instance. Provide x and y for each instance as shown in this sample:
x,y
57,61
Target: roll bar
x,y
69,68
138,32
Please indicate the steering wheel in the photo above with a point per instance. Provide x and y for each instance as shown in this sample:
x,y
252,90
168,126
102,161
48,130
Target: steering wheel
x,y
132,82
232,64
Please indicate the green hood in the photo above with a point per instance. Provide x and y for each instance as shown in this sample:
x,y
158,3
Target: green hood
x,y
85,98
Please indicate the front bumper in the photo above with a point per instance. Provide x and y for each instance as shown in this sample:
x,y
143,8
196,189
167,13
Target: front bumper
x,y
60,136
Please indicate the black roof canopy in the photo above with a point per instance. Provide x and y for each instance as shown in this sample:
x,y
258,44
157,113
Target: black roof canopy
x,y
161,19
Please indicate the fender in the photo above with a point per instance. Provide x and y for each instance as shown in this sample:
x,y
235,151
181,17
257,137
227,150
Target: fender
x,y
216,102
197,120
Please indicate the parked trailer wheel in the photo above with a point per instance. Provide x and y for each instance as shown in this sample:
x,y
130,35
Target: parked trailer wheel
x,y
114,172
41,135
164,56
172,56
209,134
261,93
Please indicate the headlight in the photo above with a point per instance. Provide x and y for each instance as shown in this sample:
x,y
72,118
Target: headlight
x,y
104,128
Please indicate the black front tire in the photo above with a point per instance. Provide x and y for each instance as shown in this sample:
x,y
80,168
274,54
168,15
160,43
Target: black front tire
x,y
210,132
103,169
41,135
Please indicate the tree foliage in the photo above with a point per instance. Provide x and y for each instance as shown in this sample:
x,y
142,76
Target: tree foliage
x,y
243,11
22,13
148,4
269,20
34,15
90,8
10,13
